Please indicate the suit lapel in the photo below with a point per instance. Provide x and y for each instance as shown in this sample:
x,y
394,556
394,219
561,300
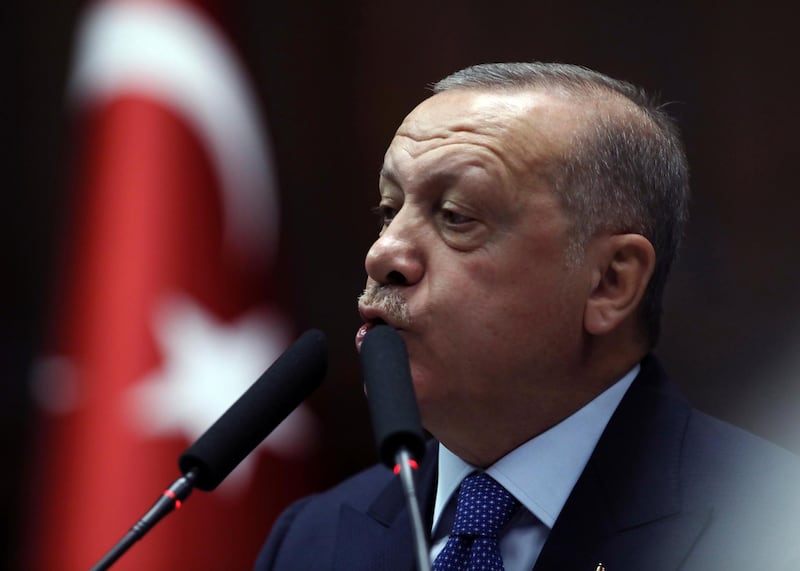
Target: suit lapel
x,y
625,509
380,538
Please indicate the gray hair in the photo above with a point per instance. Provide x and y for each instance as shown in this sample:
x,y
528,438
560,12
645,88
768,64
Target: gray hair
x,y
625,171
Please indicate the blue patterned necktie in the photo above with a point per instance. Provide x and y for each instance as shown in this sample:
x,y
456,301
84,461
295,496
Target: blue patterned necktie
x,y
483,508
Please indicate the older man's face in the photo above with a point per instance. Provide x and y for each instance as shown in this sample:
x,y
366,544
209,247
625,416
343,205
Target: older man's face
x,y
472,252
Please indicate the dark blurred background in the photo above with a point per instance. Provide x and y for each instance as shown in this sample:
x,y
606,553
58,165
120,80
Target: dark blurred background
x,y
336,78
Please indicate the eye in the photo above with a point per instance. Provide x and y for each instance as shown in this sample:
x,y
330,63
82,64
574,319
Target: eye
x,y
385,214
454,218
458,226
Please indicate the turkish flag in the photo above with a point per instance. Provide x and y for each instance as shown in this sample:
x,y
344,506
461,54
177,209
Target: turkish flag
x,y
164,316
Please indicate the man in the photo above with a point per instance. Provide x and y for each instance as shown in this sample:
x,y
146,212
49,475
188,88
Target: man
x,y
531,213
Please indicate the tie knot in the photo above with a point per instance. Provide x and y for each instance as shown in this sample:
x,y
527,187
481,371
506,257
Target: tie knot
x,y
483,507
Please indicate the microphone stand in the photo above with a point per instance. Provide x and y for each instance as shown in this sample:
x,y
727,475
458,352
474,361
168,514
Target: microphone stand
x,y
403,462
169,500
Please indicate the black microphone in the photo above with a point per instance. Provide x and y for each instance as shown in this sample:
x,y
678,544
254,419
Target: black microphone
x,y
269,400
390,392
395,420
281,389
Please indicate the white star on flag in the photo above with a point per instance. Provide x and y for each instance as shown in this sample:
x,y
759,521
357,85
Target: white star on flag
x,y
207,365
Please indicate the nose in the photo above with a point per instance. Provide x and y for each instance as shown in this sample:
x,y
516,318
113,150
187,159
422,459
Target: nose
x,y
395,258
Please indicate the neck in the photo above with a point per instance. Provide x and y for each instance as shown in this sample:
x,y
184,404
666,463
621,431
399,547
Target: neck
x,y
485,432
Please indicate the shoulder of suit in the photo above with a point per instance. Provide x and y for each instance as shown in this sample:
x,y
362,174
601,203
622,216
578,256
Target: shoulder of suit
x,y
737,465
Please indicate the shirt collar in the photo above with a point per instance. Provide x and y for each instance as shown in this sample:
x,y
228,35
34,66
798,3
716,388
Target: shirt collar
x,y
541,472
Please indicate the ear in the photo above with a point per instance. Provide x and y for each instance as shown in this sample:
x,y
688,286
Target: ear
x,y
623,265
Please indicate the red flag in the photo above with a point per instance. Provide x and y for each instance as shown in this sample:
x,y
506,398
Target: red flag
x,y
165,317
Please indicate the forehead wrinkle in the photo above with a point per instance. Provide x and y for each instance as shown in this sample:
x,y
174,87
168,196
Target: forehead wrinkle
x,y
516,138
479,153
520,133
479,130
429,170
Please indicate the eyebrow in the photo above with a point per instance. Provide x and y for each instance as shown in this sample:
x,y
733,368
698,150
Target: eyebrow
x,y
437,178
389,175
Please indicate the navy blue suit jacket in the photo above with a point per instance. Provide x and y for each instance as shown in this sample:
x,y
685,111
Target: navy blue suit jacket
x,y
666,488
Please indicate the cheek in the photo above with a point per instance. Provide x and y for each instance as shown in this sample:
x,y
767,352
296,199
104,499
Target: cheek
x,y
480,308
531,315
488,315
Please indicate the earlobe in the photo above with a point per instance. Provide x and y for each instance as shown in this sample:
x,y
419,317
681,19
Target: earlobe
x,y
624,265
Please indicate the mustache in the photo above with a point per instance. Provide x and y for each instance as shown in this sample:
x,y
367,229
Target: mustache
x,y
389,301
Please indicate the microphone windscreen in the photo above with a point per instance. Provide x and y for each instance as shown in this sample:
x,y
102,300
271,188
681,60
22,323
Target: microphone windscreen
x,y
390,393
281,389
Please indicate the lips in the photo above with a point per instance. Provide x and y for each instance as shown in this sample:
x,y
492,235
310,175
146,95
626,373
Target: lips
x,y
382,306
372,316
361,333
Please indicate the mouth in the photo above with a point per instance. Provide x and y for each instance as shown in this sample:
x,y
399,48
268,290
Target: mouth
x,y
372,317
382,307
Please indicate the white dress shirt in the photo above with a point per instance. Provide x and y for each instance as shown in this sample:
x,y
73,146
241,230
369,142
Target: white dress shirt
x,y
540,474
